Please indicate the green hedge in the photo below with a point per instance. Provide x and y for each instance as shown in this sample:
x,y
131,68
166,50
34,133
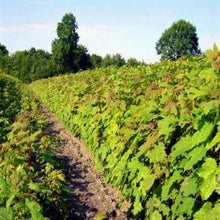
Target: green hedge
x,y
153,130
31,185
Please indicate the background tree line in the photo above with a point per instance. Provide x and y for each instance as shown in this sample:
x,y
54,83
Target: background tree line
x,y
70,57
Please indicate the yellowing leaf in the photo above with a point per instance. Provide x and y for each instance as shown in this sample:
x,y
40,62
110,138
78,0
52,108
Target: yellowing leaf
x,y
100,216
151,140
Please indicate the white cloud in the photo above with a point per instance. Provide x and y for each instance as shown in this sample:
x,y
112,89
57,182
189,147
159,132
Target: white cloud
x,y
26,27
37,26
11,29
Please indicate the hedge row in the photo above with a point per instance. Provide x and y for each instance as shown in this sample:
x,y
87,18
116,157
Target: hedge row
x,y
153,130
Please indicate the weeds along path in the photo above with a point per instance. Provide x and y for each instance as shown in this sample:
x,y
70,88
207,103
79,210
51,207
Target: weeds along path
x,y
90,196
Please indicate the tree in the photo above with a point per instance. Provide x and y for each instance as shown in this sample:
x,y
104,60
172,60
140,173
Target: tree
x,y
3,50
116,60
30,65
132,62
64,48
83,60
178,40
96,60
4,59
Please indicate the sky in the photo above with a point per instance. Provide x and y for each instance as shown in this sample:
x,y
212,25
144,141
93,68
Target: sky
x,y
128,27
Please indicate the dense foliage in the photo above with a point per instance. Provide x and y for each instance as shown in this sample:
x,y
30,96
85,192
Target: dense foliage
x,y
33,64
3,49
31,185
114,60
30,65
178,40
214,56
153,130
4,59
67,55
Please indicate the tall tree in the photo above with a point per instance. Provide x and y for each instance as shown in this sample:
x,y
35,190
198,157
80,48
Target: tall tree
x,y
4,59
30,65
116,60
180,39
3,49
96,60
83,58
132,62
64,48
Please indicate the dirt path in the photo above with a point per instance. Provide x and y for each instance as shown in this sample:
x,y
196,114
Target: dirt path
x,y
89,194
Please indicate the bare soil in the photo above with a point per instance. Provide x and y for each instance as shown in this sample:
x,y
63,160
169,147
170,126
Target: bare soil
x,y
90,195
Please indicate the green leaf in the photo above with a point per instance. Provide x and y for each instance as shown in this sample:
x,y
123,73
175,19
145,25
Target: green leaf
x,y
143,173
176,177
5,190
214,141
187,143
195,155
166,126
186,206
208,212
207,172
35,186
180,218
211,105
9,200
195,93
50,159
157,153
189,186
156,216
6,214
147,183
137,205
134,165
35,210
165,209
181,147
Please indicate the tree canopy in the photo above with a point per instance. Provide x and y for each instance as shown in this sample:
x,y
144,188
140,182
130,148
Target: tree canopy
x,y
3,50
116,60
4,59
83,60
67,55
96,60
64,47
30,65
178,40
132,62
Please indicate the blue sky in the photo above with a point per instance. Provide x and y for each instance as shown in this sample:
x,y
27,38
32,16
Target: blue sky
x,y
130,28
